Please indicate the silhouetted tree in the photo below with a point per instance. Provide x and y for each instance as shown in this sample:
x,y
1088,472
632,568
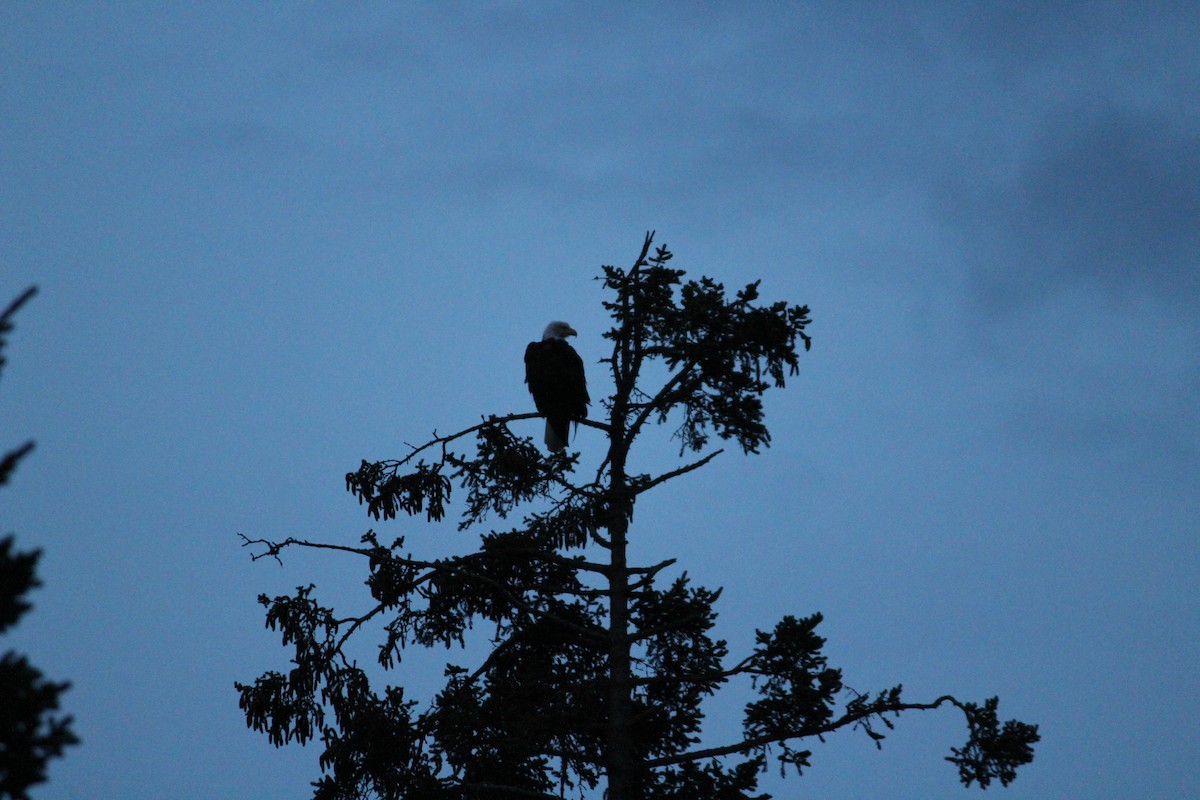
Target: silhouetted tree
x,y
597,667
30,732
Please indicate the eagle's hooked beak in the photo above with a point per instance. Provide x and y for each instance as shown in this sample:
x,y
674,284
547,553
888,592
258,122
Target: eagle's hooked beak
x,y
570,332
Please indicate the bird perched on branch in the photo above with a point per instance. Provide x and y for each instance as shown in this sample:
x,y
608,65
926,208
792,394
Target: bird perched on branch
x,y
554,372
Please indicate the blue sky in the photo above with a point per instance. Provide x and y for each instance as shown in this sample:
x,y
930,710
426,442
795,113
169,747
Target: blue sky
x,y
274,239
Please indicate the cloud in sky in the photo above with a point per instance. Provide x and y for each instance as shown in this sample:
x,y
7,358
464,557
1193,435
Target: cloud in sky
x,y
1106,198
1083,265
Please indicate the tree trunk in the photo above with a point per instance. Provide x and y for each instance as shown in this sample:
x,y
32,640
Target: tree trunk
x,y
621,760
620,755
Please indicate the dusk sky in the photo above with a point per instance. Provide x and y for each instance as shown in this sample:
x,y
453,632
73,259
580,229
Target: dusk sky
x,y
274,239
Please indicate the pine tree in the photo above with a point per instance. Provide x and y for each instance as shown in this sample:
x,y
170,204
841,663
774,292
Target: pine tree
x,y
31,733
597,667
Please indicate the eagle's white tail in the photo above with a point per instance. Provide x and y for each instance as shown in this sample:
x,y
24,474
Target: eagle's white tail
x,y
553,443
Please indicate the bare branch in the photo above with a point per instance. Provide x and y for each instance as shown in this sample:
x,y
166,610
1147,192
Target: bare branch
x,y
358,623
491,419
275,548
652,570
666,476
6,317
654,403
816,730
9,462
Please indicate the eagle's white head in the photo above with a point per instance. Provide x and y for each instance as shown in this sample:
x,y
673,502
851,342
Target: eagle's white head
x,y
558,330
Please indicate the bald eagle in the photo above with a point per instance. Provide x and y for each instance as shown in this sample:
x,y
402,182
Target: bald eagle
x,y
554,372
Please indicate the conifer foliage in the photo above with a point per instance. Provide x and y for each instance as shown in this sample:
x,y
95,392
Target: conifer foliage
x,y
596,668
32,732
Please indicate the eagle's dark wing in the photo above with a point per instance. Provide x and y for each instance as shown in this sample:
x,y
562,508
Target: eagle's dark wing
x,y
554,372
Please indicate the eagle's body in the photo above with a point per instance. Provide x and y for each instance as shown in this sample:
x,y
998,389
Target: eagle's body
x,y
554,372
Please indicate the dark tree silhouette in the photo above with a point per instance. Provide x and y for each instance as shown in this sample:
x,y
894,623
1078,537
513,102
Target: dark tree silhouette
x,y
597,667
31,733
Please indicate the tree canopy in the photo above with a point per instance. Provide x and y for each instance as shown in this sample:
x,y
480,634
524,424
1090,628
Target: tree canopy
x,y
596,668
